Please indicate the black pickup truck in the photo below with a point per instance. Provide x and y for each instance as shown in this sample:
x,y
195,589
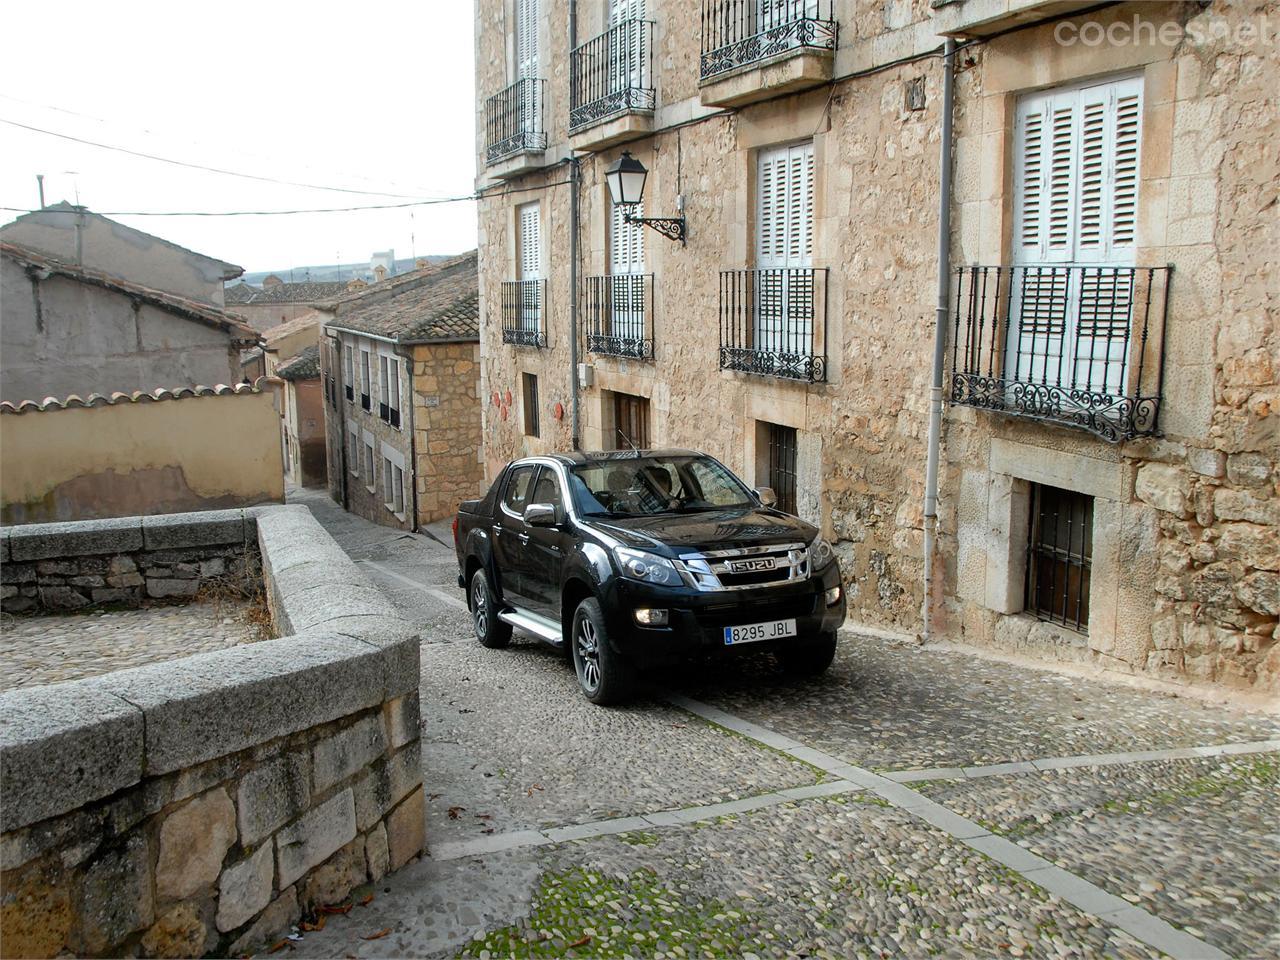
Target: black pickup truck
x,y
631,560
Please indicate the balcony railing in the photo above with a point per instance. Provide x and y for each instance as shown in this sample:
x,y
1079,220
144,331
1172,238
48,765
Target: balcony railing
x,y
737,33
612,74
1069,344
522,306
513,121
619,315
773,322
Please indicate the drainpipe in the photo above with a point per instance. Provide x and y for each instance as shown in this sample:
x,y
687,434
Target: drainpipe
x,y
575,175
939,337
407,356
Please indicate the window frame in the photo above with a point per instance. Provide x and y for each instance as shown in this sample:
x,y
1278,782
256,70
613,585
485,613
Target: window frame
x,y
529,404
1081,506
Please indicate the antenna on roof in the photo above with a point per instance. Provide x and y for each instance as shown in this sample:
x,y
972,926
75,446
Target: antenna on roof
x,y
623,434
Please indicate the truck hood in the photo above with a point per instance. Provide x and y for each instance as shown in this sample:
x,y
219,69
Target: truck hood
x,y
710,530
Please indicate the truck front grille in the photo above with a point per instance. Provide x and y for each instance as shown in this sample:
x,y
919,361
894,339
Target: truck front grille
x,y
747,568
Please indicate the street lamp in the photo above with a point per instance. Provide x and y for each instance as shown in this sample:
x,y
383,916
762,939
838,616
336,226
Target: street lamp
x,y
626,177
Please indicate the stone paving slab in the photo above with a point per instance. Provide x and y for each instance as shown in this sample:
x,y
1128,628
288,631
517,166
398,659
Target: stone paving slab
x,y
1193,842
49,649
887,707
509,740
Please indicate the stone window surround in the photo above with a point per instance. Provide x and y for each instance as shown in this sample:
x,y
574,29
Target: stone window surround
x,y
993,521
786,406
353,445
396,459
370,441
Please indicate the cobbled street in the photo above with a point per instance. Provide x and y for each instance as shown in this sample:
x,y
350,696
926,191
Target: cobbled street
x,y
912,802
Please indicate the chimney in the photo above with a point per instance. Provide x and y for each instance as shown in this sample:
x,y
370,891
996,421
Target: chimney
x,y
355,283
272,281
379,273
421,263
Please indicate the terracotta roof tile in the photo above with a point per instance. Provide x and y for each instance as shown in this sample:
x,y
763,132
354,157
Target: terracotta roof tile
x,y
439,302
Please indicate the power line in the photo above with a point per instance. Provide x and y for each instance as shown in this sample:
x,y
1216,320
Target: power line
x,y
197,166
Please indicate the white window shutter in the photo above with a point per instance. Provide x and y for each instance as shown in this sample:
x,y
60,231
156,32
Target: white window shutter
x,y
626,242
529,238
526,38
1127,137
784,206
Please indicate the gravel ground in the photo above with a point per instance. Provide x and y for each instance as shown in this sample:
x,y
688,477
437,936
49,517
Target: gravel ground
x,y
48,649
886,707
510,745
1194,842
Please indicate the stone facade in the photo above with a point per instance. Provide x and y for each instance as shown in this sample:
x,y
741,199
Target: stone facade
x,y
201,806
446,424
1162,603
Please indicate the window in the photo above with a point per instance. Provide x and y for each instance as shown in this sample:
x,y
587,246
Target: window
x,y
350,378
353,450
529,241
630,422
397,498
784,308
530,404
388,484
1060,556
393,391
369,475
384,399
781,476
548,490
365,382
517,493
526,39
626,260
1076,162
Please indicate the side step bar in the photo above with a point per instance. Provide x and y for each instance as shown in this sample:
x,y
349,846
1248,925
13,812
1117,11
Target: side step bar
x,y
543,628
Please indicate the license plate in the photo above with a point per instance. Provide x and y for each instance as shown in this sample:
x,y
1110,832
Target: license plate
x,y
749,633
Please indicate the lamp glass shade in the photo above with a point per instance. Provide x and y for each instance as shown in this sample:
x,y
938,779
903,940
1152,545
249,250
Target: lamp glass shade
x,y
626,178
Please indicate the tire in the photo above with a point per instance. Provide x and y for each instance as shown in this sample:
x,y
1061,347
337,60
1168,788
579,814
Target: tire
x,y
812,659
601,677
490,631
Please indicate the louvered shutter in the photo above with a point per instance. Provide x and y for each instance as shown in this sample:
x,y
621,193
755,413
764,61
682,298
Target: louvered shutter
x,y
626,264
526,39
784,241
530,242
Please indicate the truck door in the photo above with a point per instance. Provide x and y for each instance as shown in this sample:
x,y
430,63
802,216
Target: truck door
x,y
508,529
544,549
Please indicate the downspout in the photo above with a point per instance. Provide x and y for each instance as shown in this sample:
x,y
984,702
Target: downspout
x,y
413,436
939,337
574,179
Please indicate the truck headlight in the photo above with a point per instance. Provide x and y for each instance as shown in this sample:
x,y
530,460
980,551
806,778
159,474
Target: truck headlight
x,y
820,553
647,567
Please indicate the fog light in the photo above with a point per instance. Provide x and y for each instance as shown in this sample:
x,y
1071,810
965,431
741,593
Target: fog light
x,y
650,617
832,595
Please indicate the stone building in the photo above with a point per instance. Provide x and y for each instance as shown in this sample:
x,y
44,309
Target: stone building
x,y
400,366
1107,453
278,301
72,328
290,351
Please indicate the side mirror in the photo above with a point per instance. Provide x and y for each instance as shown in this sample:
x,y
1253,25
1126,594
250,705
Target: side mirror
x,y
767,496
540,515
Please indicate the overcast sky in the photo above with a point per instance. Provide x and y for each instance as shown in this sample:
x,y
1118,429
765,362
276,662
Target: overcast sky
x,y
376,98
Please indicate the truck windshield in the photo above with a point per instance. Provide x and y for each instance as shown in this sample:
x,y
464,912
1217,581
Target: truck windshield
x,y
638,486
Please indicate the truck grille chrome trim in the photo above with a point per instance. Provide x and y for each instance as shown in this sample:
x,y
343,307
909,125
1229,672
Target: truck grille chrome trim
x,y
745,568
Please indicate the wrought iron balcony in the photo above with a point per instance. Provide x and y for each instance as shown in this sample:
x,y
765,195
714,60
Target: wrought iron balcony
x,y
1070,344
513,121
737,33
522,306
773,322
612,75
619,315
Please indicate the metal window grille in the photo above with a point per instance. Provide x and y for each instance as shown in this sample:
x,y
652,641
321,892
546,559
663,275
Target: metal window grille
x,y
612,74
782,465
773,322
513,120
737,33
618,312
1060,556
522,306
1070,344
531,425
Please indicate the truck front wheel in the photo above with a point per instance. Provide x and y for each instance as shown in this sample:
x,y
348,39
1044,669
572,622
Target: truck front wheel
x,y
603,679
490,631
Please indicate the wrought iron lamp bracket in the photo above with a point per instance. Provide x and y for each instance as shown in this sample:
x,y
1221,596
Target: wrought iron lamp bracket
x,y
673,228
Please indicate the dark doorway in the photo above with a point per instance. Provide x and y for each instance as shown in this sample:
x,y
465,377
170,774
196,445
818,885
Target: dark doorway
x,y
630,422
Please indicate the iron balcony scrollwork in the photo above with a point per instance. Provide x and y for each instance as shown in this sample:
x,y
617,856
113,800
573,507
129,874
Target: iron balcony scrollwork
x,y
612,75
513,121
773,322
1072,344
618,310
737,34
523,303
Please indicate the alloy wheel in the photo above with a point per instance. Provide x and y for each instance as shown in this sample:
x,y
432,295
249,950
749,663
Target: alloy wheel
x,y
480,605
587,647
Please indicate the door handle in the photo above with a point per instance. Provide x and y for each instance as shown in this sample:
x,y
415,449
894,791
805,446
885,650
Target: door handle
x,y
524,538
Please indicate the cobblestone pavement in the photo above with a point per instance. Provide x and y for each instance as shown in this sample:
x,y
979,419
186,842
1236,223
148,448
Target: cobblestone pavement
x,y
47,649
560,829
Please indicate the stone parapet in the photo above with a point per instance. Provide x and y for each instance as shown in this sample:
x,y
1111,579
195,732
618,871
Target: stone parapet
x,y
200,806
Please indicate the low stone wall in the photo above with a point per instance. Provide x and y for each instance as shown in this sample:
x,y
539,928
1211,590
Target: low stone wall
x,y
203,805
50,567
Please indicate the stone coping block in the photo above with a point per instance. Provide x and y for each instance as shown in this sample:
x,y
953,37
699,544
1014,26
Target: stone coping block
x,y
62,746
71,743
203,529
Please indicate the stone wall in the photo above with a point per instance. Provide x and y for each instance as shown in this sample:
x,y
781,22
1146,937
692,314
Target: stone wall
x,y
166,451
203,805
446,423
123,561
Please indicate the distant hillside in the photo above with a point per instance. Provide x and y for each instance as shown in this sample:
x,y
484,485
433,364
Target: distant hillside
x,y
334,271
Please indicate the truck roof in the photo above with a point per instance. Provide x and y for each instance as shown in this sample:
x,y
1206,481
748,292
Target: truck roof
x,y
576,458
